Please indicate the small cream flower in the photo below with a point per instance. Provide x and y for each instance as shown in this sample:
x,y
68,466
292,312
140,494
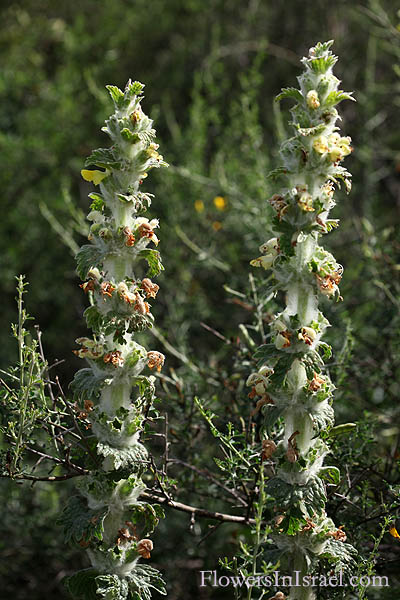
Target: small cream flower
x,y
270,247
320,145
305,202
270,251
312,99
308,335
146,227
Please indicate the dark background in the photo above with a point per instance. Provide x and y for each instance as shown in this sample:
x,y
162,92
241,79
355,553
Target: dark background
x,y
211,69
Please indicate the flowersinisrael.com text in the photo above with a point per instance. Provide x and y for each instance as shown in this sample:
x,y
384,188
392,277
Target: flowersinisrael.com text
x,y
278,580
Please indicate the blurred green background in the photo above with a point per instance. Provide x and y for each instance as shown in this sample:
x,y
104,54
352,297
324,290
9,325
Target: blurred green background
x,y
211,69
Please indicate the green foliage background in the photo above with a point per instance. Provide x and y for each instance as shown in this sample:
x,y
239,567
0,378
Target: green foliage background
x,y
211,69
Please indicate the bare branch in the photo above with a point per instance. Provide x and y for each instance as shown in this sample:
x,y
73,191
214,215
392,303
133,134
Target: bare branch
x,y
198,512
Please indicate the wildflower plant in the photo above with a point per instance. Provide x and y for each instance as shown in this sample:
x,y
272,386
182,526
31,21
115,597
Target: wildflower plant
x,y
292,382
116,390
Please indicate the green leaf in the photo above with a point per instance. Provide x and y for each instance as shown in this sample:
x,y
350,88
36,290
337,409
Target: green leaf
x,y
145,517
307,131
290,92
103,157
88,256
281,369
112,587
117,95
143,579
81,585
98,201
80,522
134,88
122,458
337,96
129,136
321,65
341,554
341,429
292,525
276,173
94,319
326,350
153,259
264,353
271,415
321,47
314,495
88,382
330,474
323,417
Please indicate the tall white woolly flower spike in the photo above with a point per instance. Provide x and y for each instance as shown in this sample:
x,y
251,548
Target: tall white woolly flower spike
x,y
291,381
116,389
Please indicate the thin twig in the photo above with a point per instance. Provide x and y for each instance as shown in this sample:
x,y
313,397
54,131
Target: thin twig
x,y
198,512
49,478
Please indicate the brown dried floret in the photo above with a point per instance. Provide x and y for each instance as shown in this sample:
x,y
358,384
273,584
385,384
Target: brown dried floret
x,y
149,288
338,534
265,399
145,230
114,358
140,305
292,453
88,286
326,284
144,548
124,536
107,289
309,526
316,382
278,596
278,203
129,237
155,359
268,448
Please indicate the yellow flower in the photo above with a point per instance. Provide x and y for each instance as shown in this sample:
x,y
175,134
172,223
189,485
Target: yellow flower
x,y
95,176
217,225
199,206
393,531
220,203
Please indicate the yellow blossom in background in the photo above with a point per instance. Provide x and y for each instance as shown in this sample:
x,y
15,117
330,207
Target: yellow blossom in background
x,y
393,531
95,176
220,203
217,225
199,206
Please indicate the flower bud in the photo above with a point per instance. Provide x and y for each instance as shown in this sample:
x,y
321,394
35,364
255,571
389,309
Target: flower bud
x,y
312,99
297,376
282,340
